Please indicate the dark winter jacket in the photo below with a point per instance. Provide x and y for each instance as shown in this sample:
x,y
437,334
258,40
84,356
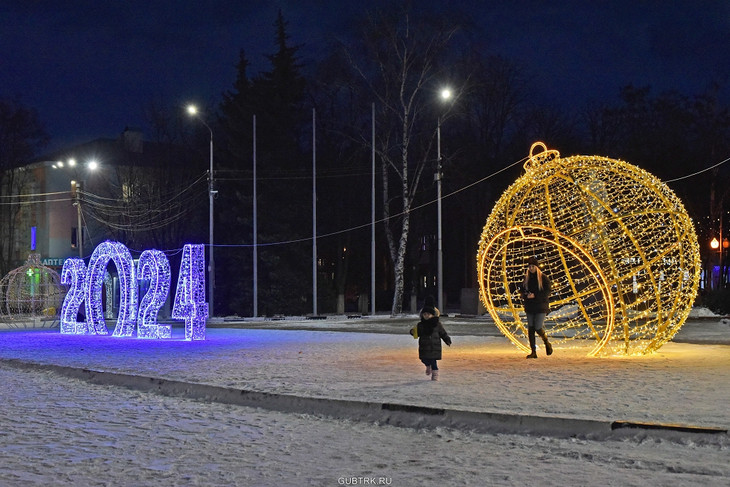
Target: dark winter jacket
x,y
540,303
430,334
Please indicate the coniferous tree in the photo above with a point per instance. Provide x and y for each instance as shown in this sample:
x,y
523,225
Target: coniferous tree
x,y
285,215
276,98
234,186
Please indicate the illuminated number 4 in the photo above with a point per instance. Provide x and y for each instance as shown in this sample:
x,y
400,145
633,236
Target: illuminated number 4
x,y
189,302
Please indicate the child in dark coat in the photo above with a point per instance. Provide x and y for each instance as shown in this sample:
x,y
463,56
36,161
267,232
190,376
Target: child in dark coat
x,y
430,332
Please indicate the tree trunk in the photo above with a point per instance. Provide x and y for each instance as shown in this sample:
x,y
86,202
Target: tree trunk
x,y
399,269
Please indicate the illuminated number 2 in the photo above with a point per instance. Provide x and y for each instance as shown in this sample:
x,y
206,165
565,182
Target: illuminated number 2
x,y
153,266
73,274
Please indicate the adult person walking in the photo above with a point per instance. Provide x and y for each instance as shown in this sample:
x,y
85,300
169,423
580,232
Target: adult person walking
x,y
536,292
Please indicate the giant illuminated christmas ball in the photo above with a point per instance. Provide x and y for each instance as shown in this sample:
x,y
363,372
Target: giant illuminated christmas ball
x,y
30,291
616,242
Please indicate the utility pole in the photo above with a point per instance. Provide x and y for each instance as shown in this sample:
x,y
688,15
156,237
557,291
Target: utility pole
x,y
76,195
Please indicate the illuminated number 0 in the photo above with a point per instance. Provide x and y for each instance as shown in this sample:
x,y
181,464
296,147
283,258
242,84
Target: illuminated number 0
x,y
127,319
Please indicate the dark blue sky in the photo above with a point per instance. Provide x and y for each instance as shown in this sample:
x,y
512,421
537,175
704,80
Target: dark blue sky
x,y
89,67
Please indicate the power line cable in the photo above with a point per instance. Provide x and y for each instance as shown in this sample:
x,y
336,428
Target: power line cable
x,y
428,203
103,218
698,172
32,195
358,227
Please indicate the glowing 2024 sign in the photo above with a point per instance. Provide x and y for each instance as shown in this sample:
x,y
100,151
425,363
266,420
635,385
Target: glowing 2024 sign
x,y
153,266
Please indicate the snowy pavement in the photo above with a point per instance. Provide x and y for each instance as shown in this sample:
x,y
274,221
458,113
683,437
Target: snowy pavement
x,y
59,430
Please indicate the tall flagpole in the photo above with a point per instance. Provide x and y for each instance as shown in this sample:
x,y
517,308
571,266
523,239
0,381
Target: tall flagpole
x,y
372,218
439,243
255,231
314,210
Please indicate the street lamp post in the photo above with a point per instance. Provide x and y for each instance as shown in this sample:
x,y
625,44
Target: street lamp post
x,y
193,111
445,95
76,195
723,268
721,246
715,245
76,189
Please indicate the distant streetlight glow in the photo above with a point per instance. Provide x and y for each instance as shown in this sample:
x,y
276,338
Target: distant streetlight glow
x,y
445,94
93,165
715,244
71,162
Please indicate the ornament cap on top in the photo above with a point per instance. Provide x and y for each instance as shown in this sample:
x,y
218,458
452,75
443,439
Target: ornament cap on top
x,y
536,160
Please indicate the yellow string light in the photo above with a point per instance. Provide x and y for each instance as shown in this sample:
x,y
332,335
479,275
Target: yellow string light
x,y
616,242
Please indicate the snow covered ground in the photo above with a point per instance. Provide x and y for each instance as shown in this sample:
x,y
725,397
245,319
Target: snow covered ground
x,y
60,430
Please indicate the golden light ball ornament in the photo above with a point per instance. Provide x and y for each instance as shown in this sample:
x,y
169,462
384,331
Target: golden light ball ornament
x,y
618,245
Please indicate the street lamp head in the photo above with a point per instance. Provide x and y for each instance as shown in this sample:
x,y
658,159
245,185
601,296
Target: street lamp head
x,y
715,243
194,112
92,165
446,94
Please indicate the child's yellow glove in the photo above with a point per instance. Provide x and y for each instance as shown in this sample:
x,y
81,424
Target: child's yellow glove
x,y
414,332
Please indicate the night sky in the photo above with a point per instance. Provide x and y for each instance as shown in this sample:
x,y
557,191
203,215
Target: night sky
x,y
89,67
